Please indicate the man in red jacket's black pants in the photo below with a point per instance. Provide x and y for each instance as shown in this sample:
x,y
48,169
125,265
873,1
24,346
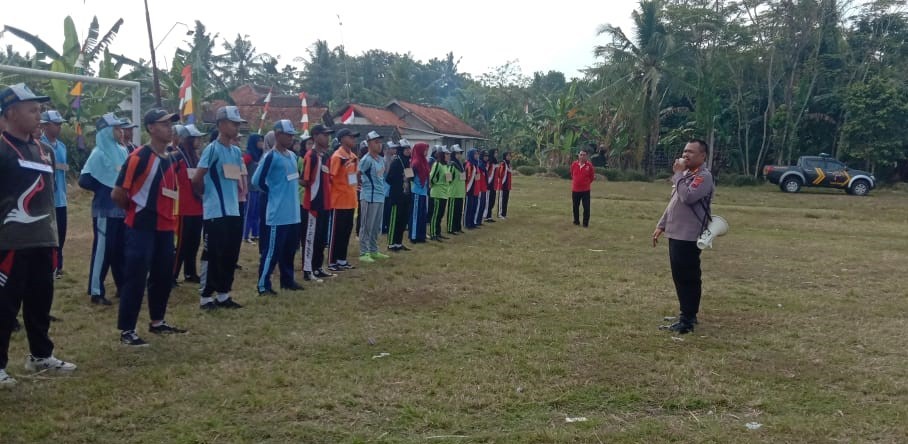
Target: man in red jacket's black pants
x,y
582,175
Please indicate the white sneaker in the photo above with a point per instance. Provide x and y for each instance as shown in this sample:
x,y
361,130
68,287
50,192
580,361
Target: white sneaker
x,y
5,379
51,364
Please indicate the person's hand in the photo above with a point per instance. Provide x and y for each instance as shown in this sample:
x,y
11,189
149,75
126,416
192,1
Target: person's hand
x,y
656,235
680,165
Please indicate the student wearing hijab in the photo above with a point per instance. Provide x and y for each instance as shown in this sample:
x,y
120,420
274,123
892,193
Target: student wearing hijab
x,y
458,191
99,175
491,178
389,153
475,186
484,186
251,158
503,184
398,182
420,190
440,184
189,222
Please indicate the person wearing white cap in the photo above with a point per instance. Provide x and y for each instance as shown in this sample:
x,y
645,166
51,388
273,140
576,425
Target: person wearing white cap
x,y
51,122
217,179
99,175
343,183
277,175
189,205
440,179
372,198
458,192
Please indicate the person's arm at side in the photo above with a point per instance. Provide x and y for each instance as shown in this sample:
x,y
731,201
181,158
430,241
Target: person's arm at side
x,y
198,181
120,192
87,182
259,178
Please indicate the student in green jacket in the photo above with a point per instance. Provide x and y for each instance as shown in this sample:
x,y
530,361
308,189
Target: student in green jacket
x,y
440,178
458,191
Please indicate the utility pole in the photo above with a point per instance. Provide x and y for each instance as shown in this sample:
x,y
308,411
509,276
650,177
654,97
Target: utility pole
x,y
154,62
344,49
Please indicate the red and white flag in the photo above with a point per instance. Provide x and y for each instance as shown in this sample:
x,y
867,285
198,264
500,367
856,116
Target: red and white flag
x,y
305,119
265,110
348,116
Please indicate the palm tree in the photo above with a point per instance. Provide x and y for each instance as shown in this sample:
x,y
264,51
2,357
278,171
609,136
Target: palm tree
x,y
645,61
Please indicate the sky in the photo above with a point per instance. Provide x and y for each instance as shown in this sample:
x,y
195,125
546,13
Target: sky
x,y
539,36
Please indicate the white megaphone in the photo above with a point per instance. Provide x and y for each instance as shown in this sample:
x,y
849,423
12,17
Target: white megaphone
x,y
717,227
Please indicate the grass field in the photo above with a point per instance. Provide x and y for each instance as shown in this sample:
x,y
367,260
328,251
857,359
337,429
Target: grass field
x,y
499,335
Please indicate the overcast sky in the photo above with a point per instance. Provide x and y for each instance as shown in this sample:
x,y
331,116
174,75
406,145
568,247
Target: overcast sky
x,y
546,36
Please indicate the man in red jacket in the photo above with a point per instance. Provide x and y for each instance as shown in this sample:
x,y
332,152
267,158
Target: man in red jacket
x,y
582,175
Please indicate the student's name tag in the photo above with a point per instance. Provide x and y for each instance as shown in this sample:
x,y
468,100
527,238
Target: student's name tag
x,y
325,169
232,171
42,167
190,172
408,173
292,177
449,177
61,166
169,193
351,179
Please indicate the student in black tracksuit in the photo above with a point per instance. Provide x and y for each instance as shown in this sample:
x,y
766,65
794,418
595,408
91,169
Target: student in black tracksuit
x,y
398,180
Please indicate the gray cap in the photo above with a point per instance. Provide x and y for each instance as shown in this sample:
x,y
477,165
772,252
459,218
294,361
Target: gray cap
x,y
392,145
374,135
187,131
404,143
284,126
230,113
107,120
456,149
51,116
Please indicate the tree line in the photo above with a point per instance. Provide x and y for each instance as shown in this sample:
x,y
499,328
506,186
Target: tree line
x,y
763,81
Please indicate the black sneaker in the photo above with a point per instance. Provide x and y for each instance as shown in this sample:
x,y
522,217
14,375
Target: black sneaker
x,y
335,268
293,287
164,329
347,266
491,220
322,274
267,292
193,279
227,303
100,300
58,274
455,233
679,327
208,306
131,339
394,248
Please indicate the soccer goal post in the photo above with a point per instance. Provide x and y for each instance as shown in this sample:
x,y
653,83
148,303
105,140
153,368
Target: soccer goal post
x,y
134,86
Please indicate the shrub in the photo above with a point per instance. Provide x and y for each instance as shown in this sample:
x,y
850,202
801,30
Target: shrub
x,y
526,170
636,176
561,171
662,175
738,180
602,171
613,175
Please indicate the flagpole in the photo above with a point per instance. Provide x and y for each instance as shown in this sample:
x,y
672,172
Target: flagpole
x,y
265,111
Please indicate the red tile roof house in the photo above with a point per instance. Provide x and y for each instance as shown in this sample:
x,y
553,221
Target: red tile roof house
x,y
417,123
250,99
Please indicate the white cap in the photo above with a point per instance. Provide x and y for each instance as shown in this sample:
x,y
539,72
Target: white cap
x,y
374,135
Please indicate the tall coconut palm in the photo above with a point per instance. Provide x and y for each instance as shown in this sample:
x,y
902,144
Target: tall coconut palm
x,y
645,60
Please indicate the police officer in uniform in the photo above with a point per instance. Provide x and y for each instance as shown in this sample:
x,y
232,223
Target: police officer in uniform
x,y
686,216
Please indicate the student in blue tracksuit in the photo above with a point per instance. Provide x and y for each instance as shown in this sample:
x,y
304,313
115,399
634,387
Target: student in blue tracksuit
x,y
51,122
99,175
277,175
420,191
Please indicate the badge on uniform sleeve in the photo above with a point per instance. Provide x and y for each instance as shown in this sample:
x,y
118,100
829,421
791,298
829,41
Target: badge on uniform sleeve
x,y
697,181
